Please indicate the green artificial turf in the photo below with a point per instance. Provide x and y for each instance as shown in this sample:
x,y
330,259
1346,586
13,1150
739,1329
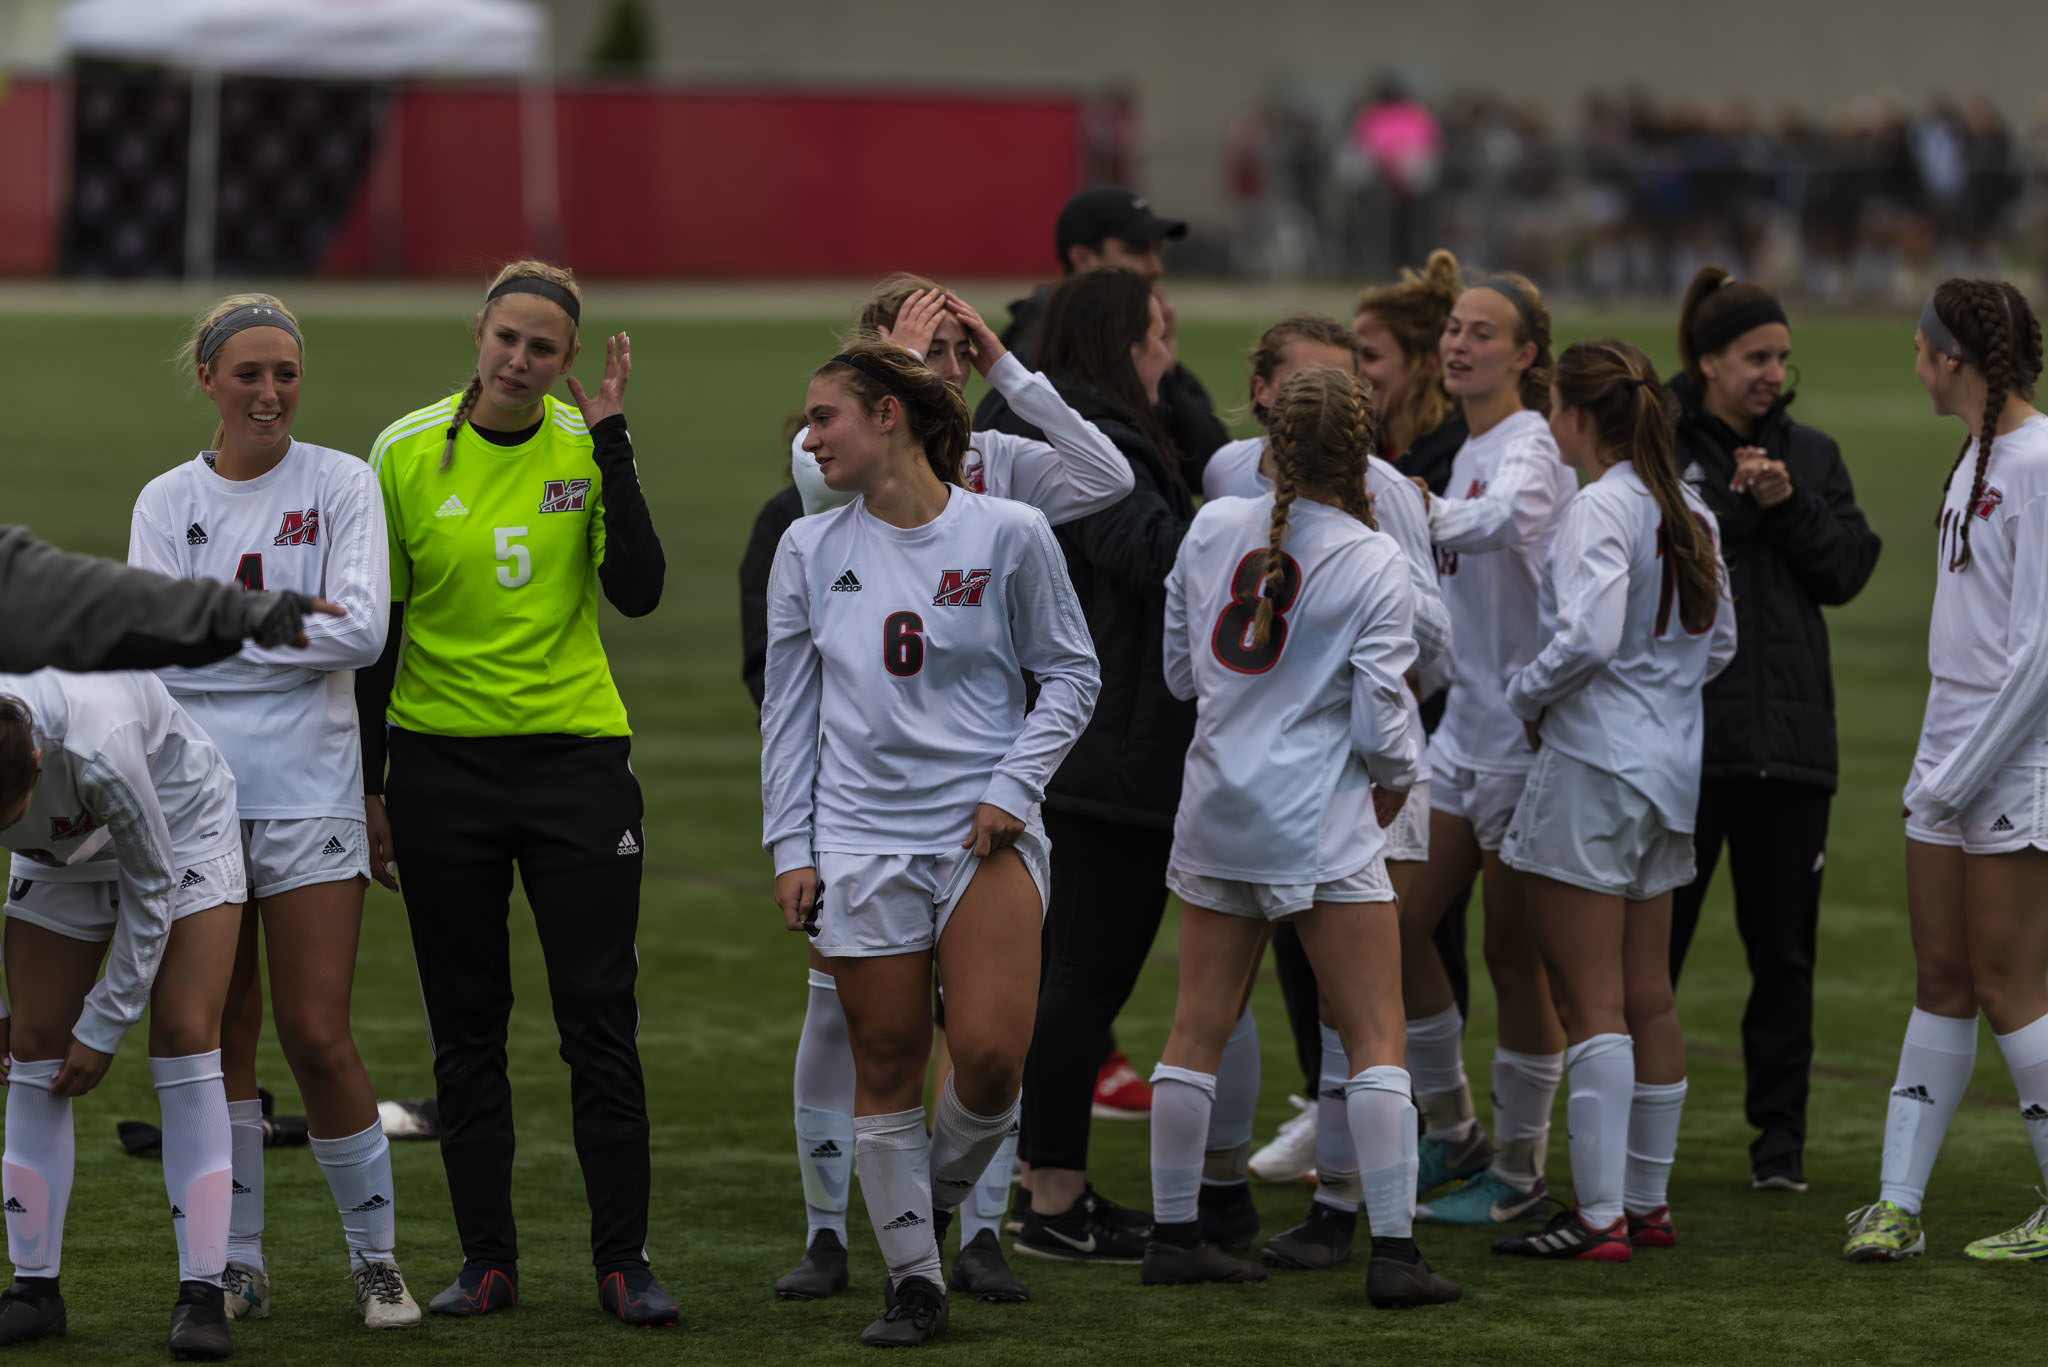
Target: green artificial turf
x,y
96,411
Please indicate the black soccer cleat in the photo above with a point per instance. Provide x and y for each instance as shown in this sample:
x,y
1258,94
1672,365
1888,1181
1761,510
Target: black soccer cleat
x,y
30,1309
1227,1215
1322,1240
820,1273
916,1315
479,1289
979,1271
1177,1255
199,1324
1398,1277
630,1291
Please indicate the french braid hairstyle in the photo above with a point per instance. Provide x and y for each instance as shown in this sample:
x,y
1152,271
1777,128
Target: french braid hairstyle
x,y
1617,386
886,300
1991,318
17,752
188,353
1414,309
1267,355
1536,379
934,414
1321,429
539,270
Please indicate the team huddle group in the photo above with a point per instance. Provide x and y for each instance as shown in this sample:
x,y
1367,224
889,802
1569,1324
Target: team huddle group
x,y
1451,614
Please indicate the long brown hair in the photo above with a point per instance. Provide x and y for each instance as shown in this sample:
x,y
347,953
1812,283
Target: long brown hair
x,y
1535,327
1616,386
934,414
1267,354
1321,431
1086,331
17,751
538,270
1991,318
1414,309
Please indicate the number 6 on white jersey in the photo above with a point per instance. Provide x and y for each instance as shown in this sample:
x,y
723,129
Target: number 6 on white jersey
x,y
521,568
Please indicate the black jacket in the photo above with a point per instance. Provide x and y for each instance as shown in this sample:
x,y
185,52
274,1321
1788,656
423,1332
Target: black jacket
x,y
1771,714
1127,765
1428,458
775,517
1184,408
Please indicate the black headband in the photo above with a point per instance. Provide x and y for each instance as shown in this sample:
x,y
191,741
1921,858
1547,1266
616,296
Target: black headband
x,y
1710,335
546,289
1942,338
876,373
240,319
1510,291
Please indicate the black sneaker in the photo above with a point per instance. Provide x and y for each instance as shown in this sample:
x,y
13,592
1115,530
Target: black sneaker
x,y
1184,1264
32,1308
821,1272
916,1315
1397,1277
1083,1234
1114,1215
1783,1174
630,1291
479,1289
199,1323
1569,1238
1228,1217
979,1271
1322,1240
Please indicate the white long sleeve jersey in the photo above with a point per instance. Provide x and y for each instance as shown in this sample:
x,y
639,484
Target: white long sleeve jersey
x,y
285,718
1289,736
1075,471
1617,684
895,677
131,791
1491,544
1987,639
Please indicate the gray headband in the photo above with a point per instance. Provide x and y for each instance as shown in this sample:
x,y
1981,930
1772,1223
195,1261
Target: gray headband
x,y
1941,339
1510,291
237,320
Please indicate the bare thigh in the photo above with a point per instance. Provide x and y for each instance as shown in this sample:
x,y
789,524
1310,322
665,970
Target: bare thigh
x,y
1354,947
1941,941
988,959
1217,953
48,976
192,982
2006,907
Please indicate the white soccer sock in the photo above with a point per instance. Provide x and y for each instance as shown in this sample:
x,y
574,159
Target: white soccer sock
x,y
37,1168
962,1145
1436,1063
1229,1143
1524,1088
358,1172
1336,1156
1603,1080
991,1199
1935,1064
1181,1101
1383,1128
199,1160
2026,1057
1652,1145
892,1153
824,1109
245,1209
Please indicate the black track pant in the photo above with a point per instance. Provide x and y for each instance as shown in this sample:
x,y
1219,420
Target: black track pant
x,y
566,810
1775,832
1108,893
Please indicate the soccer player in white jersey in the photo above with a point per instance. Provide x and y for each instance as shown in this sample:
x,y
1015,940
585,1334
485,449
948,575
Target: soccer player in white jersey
x,y
1632,612
1976,824
270,511
1289,621
121,816
1491,534
1076,471
901,782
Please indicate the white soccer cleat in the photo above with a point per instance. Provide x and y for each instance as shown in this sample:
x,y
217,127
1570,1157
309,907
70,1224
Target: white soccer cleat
x,y
1291,1157
245,1292
381,1293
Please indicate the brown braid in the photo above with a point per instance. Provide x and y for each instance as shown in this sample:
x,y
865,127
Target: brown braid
x,y
1992,319
1276,564
468,401
1321,428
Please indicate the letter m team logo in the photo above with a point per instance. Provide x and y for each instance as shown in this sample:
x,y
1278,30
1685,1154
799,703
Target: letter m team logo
x,y
299,529
564,495
1988,501
961,588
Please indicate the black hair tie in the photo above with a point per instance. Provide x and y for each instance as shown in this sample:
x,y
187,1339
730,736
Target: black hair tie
x,y
876,373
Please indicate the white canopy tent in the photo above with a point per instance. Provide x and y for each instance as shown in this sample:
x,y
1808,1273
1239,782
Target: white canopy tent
x,y
325,39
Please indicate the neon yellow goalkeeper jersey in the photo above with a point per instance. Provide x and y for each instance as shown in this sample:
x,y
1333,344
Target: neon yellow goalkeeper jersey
x,y
495,559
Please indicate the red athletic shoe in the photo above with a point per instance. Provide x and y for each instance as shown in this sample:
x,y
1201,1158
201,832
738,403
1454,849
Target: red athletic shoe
x,y
1569,1238
1652,1229
1120,1094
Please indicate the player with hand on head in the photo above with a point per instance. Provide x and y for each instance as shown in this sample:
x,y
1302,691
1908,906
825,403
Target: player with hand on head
x,y
1635,625
121,816
264,509
901,779
1289,621
1976,824
507,745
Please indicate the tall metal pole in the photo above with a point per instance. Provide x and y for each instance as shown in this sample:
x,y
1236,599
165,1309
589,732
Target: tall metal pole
x,y
202,174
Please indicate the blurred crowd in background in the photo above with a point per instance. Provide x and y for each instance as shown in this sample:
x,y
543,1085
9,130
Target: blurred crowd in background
x,y
1861,203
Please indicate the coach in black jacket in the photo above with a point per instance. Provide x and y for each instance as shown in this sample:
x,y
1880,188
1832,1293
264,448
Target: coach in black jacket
x,y
1795,542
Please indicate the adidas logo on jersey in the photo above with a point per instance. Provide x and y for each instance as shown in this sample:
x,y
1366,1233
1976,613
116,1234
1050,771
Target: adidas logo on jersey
x,y
193,879
374,1203
15,1207
2035,1112
195,535
909,1219
334,846
2004,823
846,583
1914,1093
628,845
828,1149
452,508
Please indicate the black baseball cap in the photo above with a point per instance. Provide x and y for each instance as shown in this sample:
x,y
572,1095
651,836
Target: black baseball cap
x,y
1110,211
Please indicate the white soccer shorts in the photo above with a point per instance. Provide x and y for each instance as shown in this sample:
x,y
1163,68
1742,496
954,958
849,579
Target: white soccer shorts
x,y
1586,827
1278,901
